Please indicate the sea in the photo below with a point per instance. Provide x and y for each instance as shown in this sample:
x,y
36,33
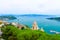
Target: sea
x,y
42,22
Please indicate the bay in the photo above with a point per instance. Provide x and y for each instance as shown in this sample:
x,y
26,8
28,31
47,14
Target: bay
x,y
41,22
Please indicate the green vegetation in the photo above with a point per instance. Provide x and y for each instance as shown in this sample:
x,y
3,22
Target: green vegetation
x,y
12,33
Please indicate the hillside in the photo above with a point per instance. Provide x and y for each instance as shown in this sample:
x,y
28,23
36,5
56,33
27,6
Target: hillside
x,y
7,17
12,33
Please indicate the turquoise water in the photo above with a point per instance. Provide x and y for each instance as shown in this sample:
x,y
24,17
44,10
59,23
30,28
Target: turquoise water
x,y
41,21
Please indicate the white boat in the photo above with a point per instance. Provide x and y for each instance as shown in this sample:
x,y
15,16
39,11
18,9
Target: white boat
x,y
54,31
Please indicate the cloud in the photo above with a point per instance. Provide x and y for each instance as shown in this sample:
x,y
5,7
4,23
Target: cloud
x,y
30,6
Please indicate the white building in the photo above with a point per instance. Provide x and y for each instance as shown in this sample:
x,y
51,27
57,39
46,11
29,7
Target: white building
x,y
42,29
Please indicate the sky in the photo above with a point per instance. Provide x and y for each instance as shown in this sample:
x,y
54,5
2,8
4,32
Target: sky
x,y
50,7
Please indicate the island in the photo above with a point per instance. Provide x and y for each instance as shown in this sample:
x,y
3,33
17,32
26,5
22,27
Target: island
x,y
7,17
54,18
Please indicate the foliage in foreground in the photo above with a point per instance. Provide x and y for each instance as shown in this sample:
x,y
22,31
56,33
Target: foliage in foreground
x,y
12,33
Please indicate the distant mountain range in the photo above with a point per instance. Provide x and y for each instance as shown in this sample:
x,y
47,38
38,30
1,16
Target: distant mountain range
x,y
33,15
41,15
11,17
26,15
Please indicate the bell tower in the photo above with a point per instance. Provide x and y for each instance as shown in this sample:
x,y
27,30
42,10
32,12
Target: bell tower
x,y
35,26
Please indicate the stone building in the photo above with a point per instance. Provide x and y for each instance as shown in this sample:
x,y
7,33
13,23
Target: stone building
x,y
35,26
20,26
